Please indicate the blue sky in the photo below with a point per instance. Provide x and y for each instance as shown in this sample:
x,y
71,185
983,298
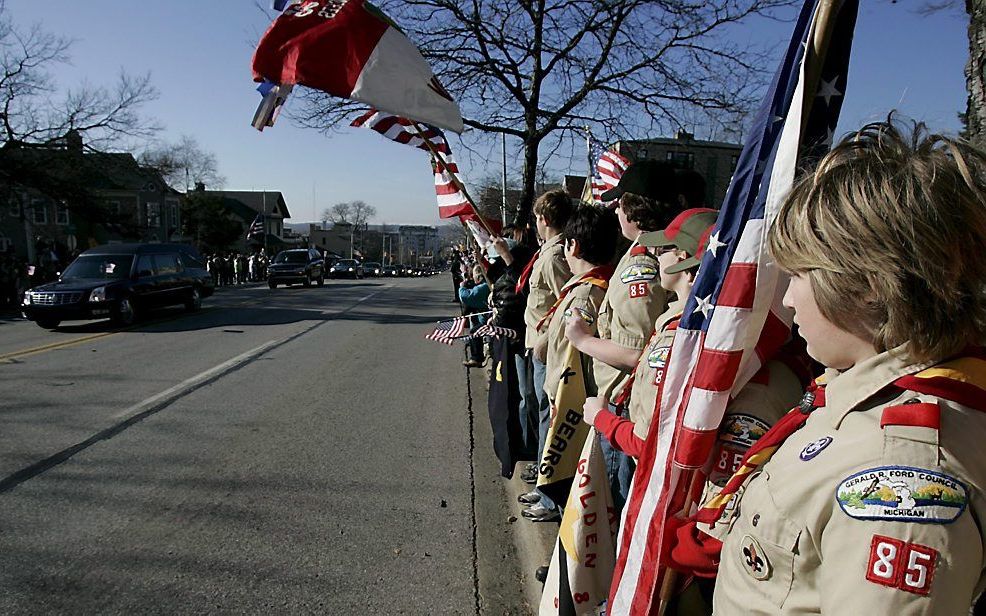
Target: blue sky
x,y
198,55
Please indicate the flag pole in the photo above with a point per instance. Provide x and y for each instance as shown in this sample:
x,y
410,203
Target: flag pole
x,y
441,163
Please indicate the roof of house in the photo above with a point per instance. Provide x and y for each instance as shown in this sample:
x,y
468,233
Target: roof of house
x,y
268,202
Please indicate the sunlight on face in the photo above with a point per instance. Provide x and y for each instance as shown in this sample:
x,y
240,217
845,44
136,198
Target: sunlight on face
x,y
827,343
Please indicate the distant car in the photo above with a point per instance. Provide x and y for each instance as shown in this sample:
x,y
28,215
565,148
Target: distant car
x,y
304,265
389,271
372,269
120,282
346,268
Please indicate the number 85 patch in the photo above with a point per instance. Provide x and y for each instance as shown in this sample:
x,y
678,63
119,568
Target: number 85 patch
x,y
904,566
638,289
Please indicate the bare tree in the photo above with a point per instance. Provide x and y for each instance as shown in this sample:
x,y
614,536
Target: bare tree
x,y
338,213
541,70
33,111
184,163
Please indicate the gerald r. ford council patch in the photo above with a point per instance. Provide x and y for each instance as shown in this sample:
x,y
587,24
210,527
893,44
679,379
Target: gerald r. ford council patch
x,y
902,493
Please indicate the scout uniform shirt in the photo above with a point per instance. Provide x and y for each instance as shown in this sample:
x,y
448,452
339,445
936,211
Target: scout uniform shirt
x,y
583,300
548,275
650,370
632,304
872,507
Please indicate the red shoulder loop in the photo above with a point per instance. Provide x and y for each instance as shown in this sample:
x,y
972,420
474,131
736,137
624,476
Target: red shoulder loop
x,y
638,250
921,414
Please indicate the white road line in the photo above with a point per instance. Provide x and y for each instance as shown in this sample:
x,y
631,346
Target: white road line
x,y
180,388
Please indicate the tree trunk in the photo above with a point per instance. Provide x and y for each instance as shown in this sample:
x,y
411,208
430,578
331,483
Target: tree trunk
x,y
975,72
526,202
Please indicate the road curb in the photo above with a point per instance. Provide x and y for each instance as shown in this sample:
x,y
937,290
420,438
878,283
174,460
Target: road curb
x,y
534,540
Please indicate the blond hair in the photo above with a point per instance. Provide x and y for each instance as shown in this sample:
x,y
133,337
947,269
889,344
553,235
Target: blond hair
x,y
890,229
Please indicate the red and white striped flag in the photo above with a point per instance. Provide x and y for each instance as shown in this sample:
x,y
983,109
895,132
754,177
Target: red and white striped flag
x,y
733,321
448,330
452,200
404,131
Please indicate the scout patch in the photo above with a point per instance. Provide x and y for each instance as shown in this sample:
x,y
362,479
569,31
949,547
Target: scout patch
x,y
904,566
814,448
638,272
658,356
902,493
638,289
588,318
754,559
738,433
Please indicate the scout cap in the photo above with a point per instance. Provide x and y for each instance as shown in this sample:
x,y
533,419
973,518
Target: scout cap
x,y
689,231
648,178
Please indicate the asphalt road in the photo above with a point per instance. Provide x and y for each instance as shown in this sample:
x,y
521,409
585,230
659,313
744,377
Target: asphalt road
x,y
292,451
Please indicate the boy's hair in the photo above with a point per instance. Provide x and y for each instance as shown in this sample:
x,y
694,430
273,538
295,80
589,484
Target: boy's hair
x,y
596,230
477,270
556,207
890,229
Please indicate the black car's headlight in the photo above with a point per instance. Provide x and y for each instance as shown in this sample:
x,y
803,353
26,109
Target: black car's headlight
x,y
28,298
98,295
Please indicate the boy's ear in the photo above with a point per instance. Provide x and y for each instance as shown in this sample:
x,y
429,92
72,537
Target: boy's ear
x,y
576,249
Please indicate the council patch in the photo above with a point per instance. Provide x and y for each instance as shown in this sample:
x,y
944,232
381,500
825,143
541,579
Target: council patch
x,y
658,356
638,272
902,493
742,430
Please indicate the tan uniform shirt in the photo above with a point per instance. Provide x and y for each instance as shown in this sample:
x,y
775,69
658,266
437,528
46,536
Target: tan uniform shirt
x,y
632,304
650,371
548,275
585,298
849,517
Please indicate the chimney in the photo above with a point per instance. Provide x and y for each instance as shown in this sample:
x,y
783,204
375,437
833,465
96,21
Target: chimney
x,y
200,187
73,141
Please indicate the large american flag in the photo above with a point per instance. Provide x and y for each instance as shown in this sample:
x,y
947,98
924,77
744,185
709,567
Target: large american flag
x,y
607,168
452,200
733,320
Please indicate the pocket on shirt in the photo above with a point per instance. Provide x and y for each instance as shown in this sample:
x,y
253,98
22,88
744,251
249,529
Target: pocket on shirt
x,y
768,535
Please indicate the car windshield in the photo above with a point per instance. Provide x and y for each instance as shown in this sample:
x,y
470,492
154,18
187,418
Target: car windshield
x,y
292,257
346,263
372,264
105,267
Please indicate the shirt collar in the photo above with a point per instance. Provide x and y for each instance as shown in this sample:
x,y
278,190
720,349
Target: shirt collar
x,y
845,391
556,239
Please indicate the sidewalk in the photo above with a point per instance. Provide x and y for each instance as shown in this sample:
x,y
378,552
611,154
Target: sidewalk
x,y
532,542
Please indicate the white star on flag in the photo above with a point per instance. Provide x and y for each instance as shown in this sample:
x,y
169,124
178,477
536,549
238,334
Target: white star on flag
x,y
704,305
714,244
827,90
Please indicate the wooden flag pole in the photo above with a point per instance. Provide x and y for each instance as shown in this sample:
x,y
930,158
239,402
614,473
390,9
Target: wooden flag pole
x,y
459,185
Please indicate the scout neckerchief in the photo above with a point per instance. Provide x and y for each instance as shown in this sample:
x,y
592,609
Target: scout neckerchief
x,y
757,455
597,277
624,396
525,274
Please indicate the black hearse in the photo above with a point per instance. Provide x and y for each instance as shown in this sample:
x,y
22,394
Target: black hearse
x,y
120,281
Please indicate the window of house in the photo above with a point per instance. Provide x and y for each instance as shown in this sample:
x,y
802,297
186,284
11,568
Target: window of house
x,y
682,160
113,207
40,209
61,214
174,222
643,153
733,160
153,211
5,243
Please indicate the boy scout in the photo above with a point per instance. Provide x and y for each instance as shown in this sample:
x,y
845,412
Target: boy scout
x,y
547,272
872,501
648,200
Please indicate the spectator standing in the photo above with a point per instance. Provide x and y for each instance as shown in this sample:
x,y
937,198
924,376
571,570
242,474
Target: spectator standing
x,y
474,295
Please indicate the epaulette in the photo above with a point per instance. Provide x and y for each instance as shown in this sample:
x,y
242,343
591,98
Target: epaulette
x,y
640,250
912,413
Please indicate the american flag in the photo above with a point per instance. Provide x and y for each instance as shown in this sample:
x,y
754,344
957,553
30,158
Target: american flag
x,y
452,200
448,330
403,130
280,5
733,320
607,168
494,331
257,228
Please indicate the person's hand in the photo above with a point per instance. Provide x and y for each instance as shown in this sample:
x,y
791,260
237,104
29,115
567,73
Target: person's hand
x,y
464,284
592,407
576,329
500,245
541,349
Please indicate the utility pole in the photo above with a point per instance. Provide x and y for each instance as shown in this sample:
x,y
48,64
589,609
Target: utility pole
x,y
503,204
